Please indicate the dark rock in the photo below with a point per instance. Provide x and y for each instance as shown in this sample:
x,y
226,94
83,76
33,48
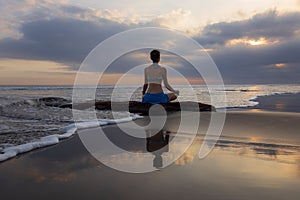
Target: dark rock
x,y
142,108
53,101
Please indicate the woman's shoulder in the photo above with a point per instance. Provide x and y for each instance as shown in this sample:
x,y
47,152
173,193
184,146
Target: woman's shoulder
x,y
146,68
155,67
163,69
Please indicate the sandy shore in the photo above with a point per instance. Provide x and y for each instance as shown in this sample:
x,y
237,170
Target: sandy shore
x,y
287,102
257,157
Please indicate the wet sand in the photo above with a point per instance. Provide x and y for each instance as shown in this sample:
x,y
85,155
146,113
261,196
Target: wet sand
x,y
287,102
257,157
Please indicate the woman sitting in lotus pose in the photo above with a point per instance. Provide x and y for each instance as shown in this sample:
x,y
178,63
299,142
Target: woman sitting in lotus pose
x,y
154,75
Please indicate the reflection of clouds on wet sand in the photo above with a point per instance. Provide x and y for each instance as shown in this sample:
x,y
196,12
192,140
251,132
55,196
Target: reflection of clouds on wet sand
x,y
269,163
190,155
185,159
298,167
37,175
267,150
266,160
279,106
254,147
261,158
60,163
45,170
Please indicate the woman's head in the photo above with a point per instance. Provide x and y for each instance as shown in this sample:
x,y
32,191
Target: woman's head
x,y
155,56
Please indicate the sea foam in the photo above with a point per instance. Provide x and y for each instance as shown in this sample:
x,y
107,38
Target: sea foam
x,y
69,130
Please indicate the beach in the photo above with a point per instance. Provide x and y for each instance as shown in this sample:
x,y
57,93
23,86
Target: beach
x,y
256,157
150,100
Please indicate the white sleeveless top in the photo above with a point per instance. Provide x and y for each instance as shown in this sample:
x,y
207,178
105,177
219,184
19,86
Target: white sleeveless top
x,y
155,79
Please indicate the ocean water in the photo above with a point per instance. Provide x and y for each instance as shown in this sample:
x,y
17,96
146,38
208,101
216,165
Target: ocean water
x,y
29,118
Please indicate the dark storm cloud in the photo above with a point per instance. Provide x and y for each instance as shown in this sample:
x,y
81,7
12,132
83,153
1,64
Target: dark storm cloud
x,y
140,57
269,25
61,40
248,56
253,64
69,39
243,63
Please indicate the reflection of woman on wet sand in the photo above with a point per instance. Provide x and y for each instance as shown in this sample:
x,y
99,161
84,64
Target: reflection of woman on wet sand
x,y
154,75
158,144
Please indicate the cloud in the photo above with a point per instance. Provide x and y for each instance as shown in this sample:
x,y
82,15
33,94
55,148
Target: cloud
x,y
15,14
64,33
60,32
176,19
61,40
247,51
141,57
270,25
258,64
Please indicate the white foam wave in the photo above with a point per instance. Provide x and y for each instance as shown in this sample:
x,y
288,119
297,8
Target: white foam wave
x,y
70,130
253,99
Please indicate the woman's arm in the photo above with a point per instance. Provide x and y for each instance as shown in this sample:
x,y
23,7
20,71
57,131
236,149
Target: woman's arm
x,y
166,83
145,88
145,83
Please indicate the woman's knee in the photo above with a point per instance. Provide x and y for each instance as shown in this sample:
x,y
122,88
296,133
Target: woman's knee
x,y
172,96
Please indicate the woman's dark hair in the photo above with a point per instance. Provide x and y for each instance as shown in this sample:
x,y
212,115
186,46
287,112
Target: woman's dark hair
x,y
155,56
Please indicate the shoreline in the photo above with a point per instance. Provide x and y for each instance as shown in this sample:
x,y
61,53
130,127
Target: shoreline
x,y
256,157
239,117
267,104
282,102
286,102
50,140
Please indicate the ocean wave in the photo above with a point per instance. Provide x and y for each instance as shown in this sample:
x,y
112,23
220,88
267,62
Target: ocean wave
x,y
254,101
24,117
12,151
30,119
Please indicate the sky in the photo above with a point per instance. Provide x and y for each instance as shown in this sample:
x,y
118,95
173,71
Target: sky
x,y
44,42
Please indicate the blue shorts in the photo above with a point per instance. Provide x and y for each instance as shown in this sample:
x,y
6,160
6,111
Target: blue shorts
x,y
155,98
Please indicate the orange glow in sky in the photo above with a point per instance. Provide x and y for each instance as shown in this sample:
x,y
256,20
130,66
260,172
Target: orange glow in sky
x,y
34,72
280,65
249,41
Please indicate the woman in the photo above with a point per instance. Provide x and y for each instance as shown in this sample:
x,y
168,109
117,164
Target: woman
x,y
154,75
